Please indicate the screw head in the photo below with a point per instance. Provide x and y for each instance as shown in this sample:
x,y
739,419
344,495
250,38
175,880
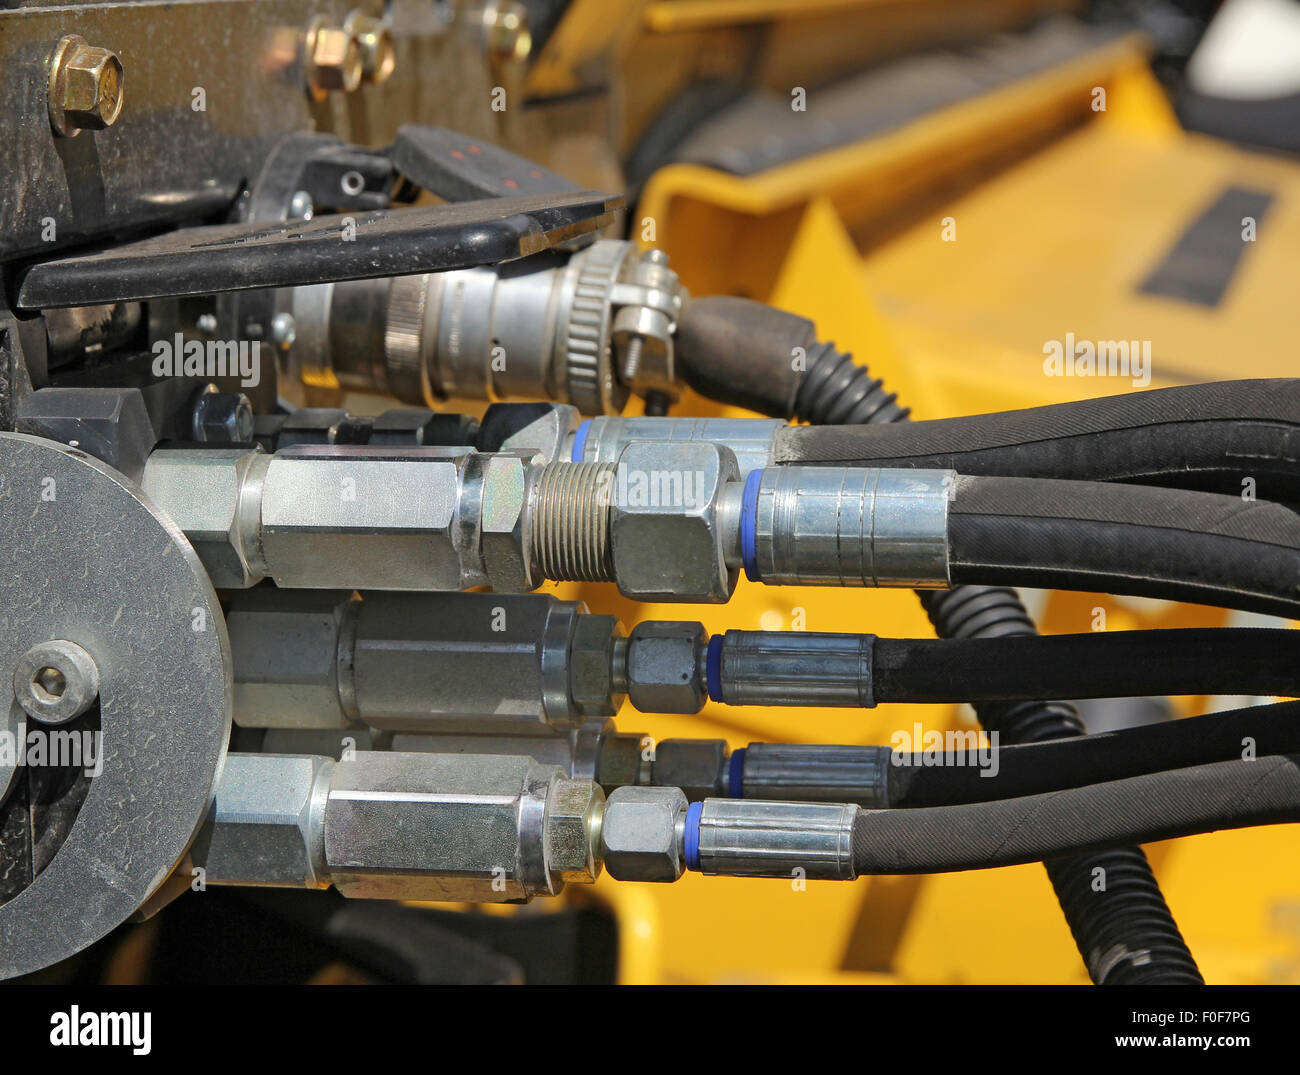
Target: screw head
x,y
85,87
56,681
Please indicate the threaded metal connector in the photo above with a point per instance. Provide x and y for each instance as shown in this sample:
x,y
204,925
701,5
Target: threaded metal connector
x,y
571,523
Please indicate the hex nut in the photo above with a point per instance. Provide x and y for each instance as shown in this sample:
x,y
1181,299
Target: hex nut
x,y
663,666
222,417
694,765
267,822
619,761
573,820
501,535
666,537
639,836
213,495
591,673
85,87
333,59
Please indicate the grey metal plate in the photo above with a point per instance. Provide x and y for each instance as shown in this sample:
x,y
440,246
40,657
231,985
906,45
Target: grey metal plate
x,y
84,557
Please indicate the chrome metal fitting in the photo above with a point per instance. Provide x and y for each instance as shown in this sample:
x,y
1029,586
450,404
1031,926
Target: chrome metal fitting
x,y
668,531
697,766
641,837
543,328
267,824
293,656
785,668
451,827
453,664
851,526
603,438
664,667
815,772
215,496
756,838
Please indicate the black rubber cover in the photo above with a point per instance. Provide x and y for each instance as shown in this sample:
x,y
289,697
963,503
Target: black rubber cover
x,y
1166,543
1034,768
1121,664
1205,436
1007,832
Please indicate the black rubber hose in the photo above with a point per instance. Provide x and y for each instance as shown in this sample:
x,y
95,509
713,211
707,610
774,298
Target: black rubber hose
x,y
1206,436
1167,543
744,353
1121,664
1096,817
918,779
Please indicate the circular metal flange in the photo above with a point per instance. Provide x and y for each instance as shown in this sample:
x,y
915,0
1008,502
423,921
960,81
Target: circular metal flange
x,y
84,558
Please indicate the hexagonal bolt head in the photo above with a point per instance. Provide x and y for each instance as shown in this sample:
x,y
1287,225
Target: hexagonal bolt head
x,y
641,834
573,822
333,59
665,530
222,417
85,87
663,666
694,765
375,43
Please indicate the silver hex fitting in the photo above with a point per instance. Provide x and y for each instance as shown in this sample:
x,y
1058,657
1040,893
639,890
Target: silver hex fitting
x,y
668,527
267,823
477,827
664,673
215,496
293,653
849,526
605,437
357,516
641,837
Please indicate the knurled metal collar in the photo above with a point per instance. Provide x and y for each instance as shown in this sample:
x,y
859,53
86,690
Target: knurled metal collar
x,y
404,342
585,335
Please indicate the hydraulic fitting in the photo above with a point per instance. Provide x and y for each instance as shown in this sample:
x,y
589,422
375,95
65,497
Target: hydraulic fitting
x,y
790,668
455,664
664,673
547,327
472,827
641,837
392,825
602,439
268,823
697,766
756,838
845,526
811,772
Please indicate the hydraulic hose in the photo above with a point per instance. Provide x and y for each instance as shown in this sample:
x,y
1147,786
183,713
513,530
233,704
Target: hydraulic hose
x,y
1075,821
806,668
1167,543
1206,436
919,780
1125,932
